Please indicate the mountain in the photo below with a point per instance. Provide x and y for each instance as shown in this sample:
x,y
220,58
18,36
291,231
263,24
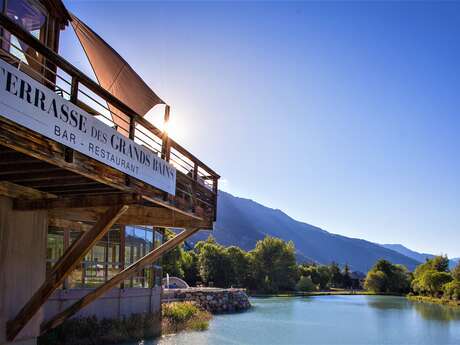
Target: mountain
x,y
420,257
242,222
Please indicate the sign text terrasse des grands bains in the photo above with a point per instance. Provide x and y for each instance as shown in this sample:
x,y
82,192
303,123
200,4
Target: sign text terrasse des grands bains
x,y
30,104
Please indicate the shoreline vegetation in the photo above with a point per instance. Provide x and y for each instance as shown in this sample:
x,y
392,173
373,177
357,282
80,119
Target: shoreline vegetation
x,y
332,292
434,300
271,269
183,316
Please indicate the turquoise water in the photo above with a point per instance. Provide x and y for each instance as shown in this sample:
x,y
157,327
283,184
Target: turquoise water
x,y
333,320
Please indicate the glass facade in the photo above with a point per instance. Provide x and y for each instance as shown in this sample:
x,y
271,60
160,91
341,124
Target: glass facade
x,y
107,256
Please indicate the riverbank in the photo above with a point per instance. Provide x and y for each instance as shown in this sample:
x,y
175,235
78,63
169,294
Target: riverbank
x,y
333,292
433,300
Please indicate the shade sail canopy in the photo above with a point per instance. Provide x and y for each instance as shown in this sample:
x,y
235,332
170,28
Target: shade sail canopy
x,y
115,75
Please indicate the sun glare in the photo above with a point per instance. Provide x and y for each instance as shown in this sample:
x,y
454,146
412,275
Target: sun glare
x,y
172,127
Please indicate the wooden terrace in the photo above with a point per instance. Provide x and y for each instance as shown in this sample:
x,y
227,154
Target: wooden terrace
x,y
81,192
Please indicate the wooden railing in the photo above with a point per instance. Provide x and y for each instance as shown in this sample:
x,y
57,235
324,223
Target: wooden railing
x,y
196,185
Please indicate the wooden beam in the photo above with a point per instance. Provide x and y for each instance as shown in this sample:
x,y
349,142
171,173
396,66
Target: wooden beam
x,y
68,224
33,144
62,269
117,279
76,202
140,215
64,182
25,176
15,191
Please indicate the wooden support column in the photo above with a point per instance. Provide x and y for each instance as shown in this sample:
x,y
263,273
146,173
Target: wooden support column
x,y
127,272
122,252
63,267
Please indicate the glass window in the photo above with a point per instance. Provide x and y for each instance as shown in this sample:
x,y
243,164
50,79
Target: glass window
x,y
139,242
75,277
54,248
31,16
158,239
103,261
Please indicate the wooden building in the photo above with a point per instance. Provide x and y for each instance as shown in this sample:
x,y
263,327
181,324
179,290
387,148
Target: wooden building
x,y
82,204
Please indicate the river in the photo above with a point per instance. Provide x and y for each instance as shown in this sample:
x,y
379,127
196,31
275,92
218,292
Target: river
x,y
332,320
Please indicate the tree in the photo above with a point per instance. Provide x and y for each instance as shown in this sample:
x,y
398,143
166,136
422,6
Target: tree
x,y
433,282
452,290
305,284
172,261
400,280
346,278
386,277
319,274
241,267
274,265
440,263
456,272
190,267
214,264
430,276
375,281
336,275
324,277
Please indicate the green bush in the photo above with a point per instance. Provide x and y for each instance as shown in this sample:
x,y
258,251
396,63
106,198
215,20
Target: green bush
x,y
180,311
178,316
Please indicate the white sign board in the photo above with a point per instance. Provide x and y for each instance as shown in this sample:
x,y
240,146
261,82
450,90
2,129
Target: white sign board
x,y
28,103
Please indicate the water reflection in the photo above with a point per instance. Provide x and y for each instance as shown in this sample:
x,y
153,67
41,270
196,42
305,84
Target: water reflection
x,y
436,312
388,302
427,311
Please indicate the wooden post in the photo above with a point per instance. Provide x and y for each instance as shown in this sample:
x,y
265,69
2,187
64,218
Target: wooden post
x,y
66,246
68,153
74,90
165,148
215,191
132,128
63,267
106,259
127,272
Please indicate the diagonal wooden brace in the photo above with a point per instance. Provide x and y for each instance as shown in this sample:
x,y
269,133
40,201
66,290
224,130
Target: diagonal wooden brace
x,y
117,279
62,269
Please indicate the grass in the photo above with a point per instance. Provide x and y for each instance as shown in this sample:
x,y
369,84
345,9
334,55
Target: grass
x,y
184,316
90,330
428,299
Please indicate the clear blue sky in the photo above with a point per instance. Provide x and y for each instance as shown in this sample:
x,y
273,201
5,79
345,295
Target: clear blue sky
x,y
343,115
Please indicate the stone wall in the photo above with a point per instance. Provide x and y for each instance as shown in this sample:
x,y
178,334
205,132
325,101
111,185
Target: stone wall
x,y
212,299
115,304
